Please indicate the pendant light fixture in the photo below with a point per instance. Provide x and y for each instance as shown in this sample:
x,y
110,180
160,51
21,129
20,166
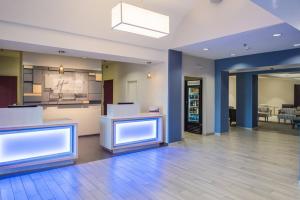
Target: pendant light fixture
x,y
133,19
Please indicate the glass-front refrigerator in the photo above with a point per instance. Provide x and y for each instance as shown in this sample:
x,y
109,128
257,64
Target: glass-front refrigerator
x,y
193,106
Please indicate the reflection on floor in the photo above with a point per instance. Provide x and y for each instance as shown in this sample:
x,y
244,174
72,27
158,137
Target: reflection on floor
x,y
278,128
244,164
89,149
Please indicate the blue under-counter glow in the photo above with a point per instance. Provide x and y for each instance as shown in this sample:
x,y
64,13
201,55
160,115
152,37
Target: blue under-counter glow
x,y
33,143
135,131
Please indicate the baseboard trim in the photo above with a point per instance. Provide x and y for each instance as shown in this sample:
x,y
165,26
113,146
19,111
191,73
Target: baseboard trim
x,y
92,134
220,134
208,134
246,128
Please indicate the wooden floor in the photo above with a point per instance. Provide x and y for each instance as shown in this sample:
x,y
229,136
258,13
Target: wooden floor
x,y
243,165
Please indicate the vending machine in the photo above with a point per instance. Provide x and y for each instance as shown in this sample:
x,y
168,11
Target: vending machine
x,y
193,106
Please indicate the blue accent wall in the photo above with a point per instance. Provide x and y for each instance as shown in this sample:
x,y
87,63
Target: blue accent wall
x,y
246,102
222,79
222,67
174,96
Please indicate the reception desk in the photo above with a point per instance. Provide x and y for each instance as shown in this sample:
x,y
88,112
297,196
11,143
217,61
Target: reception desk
x,y
131,132
30,145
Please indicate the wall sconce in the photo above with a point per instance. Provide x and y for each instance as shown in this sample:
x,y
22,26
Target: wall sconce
x,y
61,69
149,76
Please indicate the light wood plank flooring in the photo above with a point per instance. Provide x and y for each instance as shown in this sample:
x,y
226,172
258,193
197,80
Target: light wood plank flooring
x,y
243,165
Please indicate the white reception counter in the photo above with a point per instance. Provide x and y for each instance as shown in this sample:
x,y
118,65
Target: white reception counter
x,y
125,132
29,143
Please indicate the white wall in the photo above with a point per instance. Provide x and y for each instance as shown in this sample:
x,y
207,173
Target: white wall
x,y
232,91
29,38
150,92
86,115
205,69
56,61
271,91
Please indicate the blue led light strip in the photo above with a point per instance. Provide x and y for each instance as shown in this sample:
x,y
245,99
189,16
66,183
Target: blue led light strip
x,y
135,131
22,145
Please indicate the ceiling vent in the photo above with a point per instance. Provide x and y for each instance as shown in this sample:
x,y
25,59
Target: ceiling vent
x,y
216,1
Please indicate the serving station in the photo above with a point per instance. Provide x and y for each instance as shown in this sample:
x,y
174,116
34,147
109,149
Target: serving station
x,y
29,143
124,128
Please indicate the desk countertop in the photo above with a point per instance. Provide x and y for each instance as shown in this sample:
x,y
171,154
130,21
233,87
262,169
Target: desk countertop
x,y
138,116
46,123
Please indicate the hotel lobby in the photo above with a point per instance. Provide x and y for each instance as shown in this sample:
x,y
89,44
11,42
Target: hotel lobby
x,y
143,99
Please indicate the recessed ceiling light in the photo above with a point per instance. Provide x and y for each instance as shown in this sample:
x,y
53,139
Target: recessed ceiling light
x,y
205,49
246,46
276,34
297,45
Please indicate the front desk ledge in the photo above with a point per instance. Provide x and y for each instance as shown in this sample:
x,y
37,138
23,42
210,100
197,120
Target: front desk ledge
x,y
51,154
117,127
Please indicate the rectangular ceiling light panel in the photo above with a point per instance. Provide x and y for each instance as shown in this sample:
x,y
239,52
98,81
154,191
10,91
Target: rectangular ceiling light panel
x,y
129,18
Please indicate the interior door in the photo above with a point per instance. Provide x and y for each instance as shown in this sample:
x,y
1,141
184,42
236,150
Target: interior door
x,y
8,91
297,95
108,94
132,91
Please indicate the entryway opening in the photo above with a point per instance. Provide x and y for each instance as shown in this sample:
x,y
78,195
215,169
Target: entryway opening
x,y
279,102
267,101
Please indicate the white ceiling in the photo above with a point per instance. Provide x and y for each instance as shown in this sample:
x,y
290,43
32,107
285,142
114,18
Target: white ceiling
x,y
91,18
207,21
191,21
288,10
259,41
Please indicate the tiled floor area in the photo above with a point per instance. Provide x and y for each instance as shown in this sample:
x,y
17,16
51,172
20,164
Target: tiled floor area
x,y
243,165
281,128
89,149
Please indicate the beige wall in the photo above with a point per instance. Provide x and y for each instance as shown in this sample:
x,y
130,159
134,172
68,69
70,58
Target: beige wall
x,y
10,65
276,91
271,91
87,116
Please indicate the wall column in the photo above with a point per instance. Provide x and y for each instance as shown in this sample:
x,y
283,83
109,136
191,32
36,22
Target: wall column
x,y
221,102
246,100
174,96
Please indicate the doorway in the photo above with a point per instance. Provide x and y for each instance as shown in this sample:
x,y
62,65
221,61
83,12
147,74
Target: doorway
x,y
108,87
193,105
266,101
8,91
278,102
